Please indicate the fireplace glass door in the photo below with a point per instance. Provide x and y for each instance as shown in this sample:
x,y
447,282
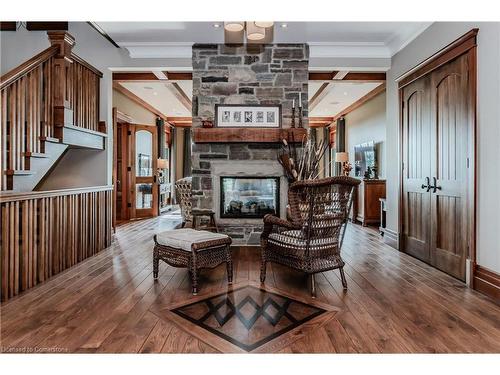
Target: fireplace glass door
x,y
249,197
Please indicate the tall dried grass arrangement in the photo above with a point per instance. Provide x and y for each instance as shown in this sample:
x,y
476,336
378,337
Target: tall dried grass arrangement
x,y
302,163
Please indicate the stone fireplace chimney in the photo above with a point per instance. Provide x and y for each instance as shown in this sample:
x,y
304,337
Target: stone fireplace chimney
x,y
246,75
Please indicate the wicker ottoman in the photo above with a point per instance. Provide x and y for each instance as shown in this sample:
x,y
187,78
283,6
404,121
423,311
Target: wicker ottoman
x,y
192,249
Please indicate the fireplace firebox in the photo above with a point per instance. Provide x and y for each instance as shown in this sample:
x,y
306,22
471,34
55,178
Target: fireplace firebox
x,y
249,197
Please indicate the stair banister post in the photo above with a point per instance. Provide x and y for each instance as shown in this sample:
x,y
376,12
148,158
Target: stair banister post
x,y
62,81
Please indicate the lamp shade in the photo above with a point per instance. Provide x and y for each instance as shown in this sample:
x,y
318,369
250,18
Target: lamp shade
x,y
162,163
255,32
234,25
341,157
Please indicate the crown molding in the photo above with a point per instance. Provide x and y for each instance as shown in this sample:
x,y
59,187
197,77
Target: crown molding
x,y
317,50
357,50
398,42
151,50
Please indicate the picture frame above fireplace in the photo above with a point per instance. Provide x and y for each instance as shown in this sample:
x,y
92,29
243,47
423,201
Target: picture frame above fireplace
x,y
247,116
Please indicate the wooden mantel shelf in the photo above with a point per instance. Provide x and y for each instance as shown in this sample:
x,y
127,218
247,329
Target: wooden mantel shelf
x,y
239,135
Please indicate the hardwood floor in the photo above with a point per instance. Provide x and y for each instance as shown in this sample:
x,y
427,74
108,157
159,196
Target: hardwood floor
x,y
110,303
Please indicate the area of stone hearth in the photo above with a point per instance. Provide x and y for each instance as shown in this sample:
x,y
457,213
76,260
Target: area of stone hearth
x,y
247,75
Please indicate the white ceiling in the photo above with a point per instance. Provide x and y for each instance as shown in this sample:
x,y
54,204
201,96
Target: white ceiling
x,y
338,96
160,96
326,39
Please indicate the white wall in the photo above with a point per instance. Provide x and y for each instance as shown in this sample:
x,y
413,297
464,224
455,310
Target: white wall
x,y
437,36
368,123
137,113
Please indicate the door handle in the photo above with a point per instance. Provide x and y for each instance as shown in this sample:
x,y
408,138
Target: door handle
x,y
435,187
428,186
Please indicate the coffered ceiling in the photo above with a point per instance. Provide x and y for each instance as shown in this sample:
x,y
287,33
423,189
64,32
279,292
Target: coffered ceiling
x,y
334,46
167,99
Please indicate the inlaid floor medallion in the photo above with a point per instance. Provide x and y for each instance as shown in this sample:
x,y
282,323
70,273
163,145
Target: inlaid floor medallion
x,y
248,316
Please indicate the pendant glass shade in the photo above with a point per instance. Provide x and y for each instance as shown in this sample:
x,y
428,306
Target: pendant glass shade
x,y
255,32
234,26
264,24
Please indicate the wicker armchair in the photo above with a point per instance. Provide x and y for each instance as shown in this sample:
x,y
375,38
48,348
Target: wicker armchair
x,y
311,240
183,196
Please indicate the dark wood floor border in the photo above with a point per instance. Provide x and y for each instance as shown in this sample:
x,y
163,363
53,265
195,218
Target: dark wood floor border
x,y
487,282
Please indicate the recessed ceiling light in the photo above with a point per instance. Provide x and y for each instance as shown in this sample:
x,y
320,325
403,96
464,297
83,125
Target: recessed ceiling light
x,y
334,103
155,93
345,93
216,25
284,25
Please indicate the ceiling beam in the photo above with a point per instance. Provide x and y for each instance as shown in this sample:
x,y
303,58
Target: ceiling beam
x,y
358,103
180,122
350,76
320,122
138,100
341,74
365,76
313,76
135,76
321,76
180,95
319,95
150,76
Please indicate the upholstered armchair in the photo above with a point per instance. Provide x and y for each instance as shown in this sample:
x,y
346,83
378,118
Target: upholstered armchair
x,y
311,239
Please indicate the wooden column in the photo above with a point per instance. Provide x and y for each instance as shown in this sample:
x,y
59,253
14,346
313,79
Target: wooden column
x,y
62,80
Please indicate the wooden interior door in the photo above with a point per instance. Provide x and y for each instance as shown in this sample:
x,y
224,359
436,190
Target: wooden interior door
x,y
143,159
436,121
450,119
416,131
121,165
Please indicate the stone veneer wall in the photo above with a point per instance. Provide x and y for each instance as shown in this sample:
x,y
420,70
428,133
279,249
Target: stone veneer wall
x,y
248,74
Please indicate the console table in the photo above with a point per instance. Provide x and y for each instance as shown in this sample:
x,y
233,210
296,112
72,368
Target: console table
x,y
366,204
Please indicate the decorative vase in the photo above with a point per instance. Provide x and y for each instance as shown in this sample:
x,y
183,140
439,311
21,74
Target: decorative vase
x,y
207,124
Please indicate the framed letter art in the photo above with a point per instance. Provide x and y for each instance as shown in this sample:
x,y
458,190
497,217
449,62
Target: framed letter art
x,y
247,116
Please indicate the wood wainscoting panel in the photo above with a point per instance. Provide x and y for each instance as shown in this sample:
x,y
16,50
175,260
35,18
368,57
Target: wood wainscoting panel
x,y
44,233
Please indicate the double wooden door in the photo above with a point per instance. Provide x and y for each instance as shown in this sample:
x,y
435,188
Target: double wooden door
x,y
436,120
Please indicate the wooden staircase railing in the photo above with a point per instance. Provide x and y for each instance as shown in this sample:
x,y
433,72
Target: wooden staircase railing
x,y
43,233
53,90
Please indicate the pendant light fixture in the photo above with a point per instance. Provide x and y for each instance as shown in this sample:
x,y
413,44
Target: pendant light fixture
x,y
264,24
234,26
255,32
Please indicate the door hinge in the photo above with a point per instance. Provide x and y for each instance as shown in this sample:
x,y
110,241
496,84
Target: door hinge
x,y
468,163
129,169
129,204
402,166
